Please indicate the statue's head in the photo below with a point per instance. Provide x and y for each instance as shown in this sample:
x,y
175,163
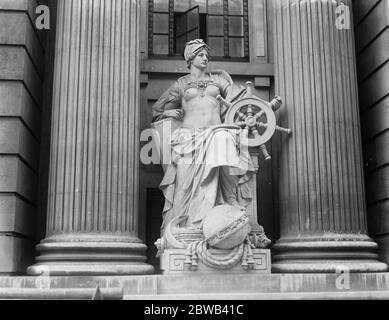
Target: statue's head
x,y
193,49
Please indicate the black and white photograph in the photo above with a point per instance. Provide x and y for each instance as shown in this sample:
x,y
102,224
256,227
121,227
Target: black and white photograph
x,y
216,152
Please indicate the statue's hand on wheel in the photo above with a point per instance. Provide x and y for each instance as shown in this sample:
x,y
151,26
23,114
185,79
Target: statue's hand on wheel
x,y
175,114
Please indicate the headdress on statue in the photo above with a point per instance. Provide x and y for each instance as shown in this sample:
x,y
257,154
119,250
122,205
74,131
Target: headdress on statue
x,y
192,48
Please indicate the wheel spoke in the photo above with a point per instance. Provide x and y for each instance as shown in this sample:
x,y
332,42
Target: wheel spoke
x,y
283,130
259,114
255,133
263,125
241,115
250,111
265,152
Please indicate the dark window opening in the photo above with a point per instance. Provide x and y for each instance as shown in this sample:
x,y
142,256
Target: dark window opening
x,y
186,27
223,24
203,26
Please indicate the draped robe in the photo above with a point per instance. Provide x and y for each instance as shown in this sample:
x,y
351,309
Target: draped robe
x,y
209,166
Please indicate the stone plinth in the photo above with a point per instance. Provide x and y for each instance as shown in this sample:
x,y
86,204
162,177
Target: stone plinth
x,y
173,262
92,222
321,186
244,286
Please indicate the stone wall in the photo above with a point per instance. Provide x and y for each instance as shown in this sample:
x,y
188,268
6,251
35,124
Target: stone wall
x,y
371,20
21,78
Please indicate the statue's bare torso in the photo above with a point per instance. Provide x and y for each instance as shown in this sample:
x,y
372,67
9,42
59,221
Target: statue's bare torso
x,y
200,106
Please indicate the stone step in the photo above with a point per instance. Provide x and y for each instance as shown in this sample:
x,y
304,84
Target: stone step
x,y
271,283
215,286
60,294
355,295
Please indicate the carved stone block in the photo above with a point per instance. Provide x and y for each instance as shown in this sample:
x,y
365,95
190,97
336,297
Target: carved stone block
x,y
173,262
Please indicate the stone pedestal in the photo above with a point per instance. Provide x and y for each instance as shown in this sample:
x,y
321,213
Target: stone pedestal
x,y
173,262
322,198
92,223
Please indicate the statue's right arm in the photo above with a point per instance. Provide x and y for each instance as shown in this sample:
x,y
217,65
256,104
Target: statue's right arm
x,y
169,104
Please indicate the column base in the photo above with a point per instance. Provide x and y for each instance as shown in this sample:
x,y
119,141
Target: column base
x,y
354,254
90,269
74,255
330,266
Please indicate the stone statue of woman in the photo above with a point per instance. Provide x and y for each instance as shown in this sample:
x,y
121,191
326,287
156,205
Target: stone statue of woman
x,y
209,168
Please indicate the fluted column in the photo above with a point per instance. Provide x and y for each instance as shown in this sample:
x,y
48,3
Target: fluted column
x,y
92,222
322,198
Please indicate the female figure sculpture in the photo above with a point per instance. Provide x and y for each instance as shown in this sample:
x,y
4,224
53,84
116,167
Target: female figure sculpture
x,y
208,168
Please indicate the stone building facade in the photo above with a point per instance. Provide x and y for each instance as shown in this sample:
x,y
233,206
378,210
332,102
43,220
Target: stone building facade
x,y
75,198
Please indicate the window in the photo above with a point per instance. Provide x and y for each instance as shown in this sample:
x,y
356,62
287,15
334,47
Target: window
x,y
223,24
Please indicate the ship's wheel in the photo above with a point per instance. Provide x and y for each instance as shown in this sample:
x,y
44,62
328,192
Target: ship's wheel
x,y
256,117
